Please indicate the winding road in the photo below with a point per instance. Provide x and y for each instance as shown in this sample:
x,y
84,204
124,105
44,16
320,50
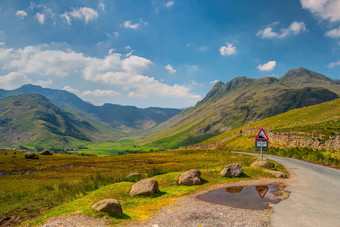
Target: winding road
x,y
314,198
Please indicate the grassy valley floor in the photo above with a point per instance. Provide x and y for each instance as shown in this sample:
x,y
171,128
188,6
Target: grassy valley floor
x,y
36,190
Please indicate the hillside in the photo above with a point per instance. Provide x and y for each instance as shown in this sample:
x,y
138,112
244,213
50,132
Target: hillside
x,y
123,118
241,101
34,121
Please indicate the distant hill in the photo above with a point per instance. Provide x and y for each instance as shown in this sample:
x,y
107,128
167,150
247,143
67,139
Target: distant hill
x,y
240,101
32,120
124,118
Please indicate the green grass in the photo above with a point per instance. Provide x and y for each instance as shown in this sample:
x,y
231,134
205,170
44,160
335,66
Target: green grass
x,y
61,178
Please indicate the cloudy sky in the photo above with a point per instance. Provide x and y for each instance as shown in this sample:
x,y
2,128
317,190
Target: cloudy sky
x,y
162,53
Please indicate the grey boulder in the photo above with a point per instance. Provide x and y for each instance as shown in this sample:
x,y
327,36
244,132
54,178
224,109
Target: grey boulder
x,y
145,187
190,177
111,206
232,170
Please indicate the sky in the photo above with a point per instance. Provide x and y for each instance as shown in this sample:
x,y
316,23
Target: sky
x,y
162,53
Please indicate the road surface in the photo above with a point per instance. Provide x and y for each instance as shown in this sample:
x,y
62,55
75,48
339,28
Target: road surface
x,y
314,198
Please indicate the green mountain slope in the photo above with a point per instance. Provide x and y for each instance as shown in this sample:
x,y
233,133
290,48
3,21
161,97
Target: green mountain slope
x,y
241,101
123,118
32,120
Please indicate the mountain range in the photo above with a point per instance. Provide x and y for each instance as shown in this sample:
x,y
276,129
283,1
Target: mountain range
x,y
240,101
35,115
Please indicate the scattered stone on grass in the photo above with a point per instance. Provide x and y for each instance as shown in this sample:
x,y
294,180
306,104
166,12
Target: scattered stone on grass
x,y
190,177
31,155
232,170
111,206
275,173
264,164
46,152
145,187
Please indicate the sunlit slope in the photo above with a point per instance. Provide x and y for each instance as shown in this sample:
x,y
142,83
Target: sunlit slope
x,y
323,118
242,101
32,120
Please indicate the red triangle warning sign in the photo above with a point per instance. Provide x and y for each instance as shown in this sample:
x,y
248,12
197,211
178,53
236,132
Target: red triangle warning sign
x,y
262,135
262,190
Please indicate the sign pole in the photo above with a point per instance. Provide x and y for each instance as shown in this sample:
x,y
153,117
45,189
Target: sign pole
x,y
261,154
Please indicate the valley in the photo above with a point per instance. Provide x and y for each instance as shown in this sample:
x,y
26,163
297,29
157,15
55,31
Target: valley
x,y
96,148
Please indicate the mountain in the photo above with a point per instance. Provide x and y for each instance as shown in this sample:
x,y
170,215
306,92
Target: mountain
x,y
126,118
32,120
240,101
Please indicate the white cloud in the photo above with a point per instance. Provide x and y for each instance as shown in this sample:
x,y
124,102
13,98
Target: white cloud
x,y
203,48
111,51
101,93
334,33
115,69
88,14
294,29
267,66
227,50
213,82
333,64
324,9
169,4
170,68
129,24
21,14
13,80
40,17
101,5
2,43
72,90
43,83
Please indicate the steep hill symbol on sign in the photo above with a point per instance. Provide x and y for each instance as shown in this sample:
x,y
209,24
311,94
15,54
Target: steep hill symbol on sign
x,y
262,135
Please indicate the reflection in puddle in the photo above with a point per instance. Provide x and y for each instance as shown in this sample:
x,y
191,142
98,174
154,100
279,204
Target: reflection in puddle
x,y
253,197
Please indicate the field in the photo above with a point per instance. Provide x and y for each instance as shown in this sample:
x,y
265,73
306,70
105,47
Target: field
x,y
113,148
65,183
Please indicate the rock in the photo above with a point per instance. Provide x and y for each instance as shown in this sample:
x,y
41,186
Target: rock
x,y
264,164
190,177
275,173
134,176
232,170
234,189
45,153
145,187
111,206
39,163
31,155
5,153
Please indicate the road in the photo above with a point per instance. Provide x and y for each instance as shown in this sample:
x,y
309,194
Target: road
x,y
314,198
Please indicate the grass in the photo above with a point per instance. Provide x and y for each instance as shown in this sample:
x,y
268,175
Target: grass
x,y
66,179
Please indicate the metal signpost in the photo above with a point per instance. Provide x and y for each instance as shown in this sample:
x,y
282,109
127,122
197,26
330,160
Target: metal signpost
x,y
261,142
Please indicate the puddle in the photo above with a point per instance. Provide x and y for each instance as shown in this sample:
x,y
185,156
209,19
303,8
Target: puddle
x,y
252,197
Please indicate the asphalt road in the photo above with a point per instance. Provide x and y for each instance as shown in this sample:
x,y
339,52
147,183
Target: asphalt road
x,y
314,198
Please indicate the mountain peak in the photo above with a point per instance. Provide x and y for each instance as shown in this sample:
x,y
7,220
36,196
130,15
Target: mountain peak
x,y
304,74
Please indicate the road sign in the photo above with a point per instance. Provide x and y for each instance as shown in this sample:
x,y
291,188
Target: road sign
x,y
262,190
262,135
261,144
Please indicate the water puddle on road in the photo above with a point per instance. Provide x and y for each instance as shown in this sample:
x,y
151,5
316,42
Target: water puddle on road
x,y
251,197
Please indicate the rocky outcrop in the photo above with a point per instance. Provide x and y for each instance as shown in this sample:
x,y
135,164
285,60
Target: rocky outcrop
x,y
45,152
190,177
275,173
111,206
144,187
31,155
232,170
264,164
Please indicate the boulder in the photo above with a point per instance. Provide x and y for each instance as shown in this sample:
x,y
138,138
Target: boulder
x,y
45,153
234,189
275,173
190,177
134,176
232,170
145,187
31,155
264,164
111,206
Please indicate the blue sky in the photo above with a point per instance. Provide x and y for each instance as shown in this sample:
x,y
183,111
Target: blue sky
x,y
162,53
